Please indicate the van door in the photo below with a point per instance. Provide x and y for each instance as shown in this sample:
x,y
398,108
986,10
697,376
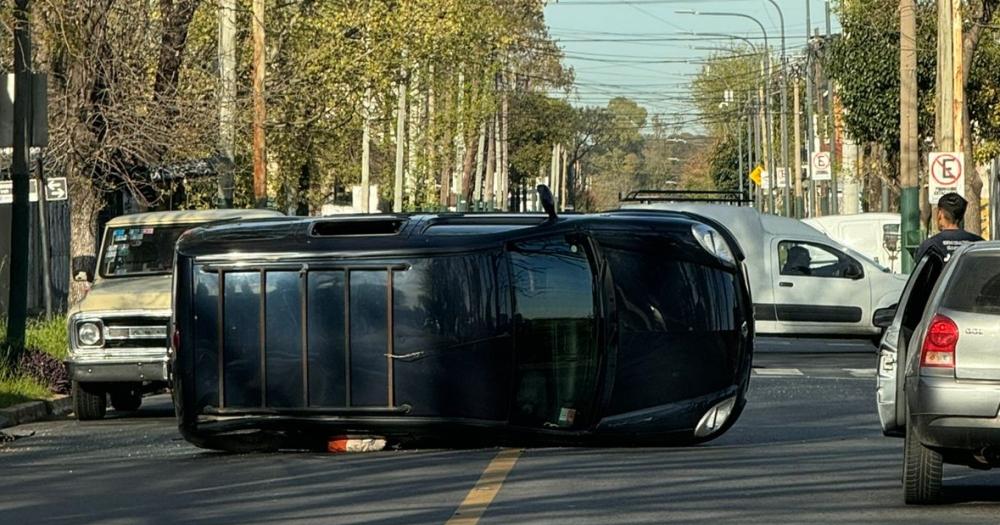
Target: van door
x,y
819,289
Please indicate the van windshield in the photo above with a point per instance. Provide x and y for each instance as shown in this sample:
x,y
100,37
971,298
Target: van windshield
x,y
139,250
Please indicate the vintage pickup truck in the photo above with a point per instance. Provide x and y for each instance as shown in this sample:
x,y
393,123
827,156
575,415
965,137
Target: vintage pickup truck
x,y
628,326
118,333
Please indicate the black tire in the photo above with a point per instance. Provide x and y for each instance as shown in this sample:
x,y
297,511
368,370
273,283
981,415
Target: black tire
x,y
90,401
126,399
922,471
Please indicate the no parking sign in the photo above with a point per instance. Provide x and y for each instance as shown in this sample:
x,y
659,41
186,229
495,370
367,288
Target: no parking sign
x,y
947,174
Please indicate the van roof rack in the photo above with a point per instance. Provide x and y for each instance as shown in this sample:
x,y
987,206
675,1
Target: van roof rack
x,y
738,198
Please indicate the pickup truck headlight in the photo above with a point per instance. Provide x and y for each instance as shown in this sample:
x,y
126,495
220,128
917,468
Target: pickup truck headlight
x,y
89,334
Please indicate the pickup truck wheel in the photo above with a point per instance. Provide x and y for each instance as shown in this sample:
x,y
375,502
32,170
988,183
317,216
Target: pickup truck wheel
x,y
90,401
922,471
126,399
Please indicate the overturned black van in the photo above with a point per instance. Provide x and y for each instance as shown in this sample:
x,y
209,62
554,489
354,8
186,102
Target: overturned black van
x,y
620,327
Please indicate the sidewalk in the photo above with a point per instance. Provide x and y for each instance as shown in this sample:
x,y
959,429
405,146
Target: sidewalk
x,y
34,411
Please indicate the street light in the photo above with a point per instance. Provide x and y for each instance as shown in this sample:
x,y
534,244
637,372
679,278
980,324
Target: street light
x,y
767,104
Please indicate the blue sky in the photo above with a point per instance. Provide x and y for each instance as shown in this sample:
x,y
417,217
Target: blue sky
x,y
654,68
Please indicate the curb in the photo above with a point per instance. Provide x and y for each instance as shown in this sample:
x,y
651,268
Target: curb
x,y
34,411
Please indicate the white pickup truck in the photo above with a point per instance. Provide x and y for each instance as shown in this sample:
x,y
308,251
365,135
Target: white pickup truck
x,y
803,283
119,332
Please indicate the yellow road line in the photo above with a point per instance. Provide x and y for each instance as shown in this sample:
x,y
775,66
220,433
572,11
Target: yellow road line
x,y
486,489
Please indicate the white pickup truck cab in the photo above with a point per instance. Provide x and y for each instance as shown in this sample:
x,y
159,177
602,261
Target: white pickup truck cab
x,y
803,282
119,333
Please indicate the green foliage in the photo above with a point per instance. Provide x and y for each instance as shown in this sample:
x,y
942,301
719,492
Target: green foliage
x,y
537,122
738,72
16,389
724,163
865,64
50,337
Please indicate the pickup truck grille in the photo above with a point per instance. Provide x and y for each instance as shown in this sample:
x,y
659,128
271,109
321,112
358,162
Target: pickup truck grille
x,y
136,332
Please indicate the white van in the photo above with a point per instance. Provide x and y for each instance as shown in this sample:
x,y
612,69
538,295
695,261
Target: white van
x,y
802,281
873,234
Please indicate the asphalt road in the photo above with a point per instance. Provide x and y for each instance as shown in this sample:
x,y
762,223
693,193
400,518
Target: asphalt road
x,y
807,449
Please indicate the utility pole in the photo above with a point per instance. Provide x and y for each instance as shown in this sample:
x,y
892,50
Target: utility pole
x,y
259,109
810,132
908,164
366,152
564,178
784,115
834,202
17,308
397,194
797,160
751,149
227,100
958,78
739,154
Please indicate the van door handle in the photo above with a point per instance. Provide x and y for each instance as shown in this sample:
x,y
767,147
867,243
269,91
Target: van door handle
x,y
785,284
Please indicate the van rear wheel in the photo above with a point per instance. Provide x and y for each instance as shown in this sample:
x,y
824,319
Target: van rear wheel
x,y
922,471
90,401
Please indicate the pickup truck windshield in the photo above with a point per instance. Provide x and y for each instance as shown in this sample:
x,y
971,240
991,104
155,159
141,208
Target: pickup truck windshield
x,y
139,250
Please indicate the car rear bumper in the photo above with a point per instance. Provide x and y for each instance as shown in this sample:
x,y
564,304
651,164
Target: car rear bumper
x,y
956,414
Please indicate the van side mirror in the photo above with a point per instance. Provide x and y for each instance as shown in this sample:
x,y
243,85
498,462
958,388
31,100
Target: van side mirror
x,y
883,317
84,267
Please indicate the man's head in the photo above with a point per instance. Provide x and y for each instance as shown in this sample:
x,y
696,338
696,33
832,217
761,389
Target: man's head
x,y
951,210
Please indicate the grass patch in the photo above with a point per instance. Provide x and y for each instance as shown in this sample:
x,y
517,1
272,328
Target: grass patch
x,y
48,336
16,389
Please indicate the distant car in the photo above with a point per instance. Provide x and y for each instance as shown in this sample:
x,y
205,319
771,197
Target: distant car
x,y
939,368
876,235
803,282
118,333
625,326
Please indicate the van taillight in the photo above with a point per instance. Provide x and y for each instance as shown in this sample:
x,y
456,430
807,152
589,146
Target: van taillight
x,y
939,344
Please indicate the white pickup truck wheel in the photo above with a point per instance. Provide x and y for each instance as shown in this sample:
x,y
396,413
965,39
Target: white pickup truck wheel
x,y
90,401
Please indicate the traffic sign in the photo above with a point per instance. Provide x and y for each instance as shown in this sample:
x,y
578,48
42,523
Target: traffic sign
x,y
821,166
947,174
780,177
765,180
56,189
7,191
755,175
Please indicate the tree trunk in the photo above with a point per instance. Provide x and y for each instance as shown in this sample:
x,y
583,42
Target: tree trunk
x,y
982,15
489,177
176,18
468,163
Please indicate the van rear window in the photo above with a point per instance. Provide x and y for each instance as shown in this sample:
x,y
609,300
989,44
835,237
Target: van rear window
x,y
975,285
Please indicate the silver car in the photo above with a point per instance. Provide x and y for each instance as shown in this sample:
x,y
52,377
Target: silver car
x,y
941,354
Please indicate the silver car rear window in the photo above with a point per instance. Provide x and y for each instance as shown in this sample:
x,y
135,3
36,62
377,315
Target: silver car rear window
x,y
975,285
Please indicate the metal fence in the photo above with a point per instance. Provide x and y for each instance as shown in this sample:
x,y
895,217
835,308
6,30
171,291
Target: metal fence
x,y
57,217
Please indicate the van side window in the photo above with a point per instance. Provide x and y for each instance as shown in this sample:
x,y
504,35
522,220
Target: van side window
x,y
816,260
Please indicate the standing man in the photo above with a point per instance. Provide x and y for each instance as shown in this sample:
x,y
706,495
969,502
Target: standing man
x,y
951,209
